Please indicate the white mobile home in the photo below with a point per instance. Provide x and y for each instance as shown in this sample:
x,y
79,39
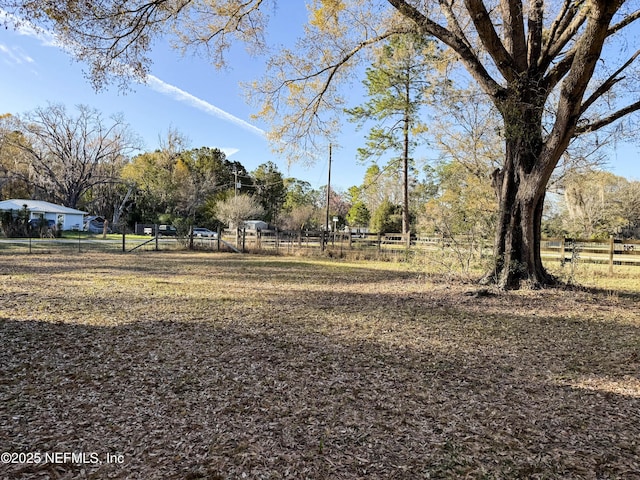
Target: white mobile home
x,y
67,218
256,225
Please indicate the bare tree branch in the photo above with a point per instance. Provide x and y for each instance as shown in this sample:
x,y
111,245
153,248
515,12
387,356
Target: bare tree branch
x,y
490,39
598,124
535,32
515,41
66,154
565,30
607,84
458,44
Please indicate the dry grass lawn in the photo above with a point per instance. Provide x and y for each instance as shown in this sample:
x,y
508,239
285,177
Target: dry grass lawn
x,y
217,366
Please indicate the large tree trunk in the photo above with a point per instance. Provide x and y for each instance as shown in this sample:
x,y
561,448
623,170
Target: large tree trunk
x,y
517,242
521,192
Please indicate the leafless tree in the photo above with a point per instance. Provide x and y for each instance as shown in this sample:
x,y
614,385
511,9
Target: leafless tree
x,y
237,209
68,155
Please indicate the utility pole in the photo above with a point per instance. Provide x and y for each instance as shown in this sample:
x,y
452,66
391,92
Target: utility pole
x,y
328,193
235,181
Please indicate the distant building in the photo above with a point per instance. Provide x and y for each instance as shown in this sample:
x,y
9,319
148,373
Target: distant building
x,y
256,225
64,217
95,224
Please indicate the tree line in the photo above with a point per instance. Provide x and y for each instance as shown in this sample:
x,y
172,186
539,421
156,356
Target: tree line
x,y
82,160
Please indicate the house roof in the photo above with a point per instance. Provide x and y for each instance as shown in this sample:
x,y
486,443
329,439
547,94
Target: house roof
x,y
256,222
38,206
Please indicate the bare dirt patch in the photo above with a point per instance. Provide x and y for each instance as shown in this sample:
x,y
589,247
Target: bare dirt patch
x,y
192,366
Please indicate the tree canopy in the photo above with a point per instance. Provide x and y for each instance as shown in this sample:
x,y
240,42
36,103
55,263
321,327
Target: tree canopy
x,y
64,155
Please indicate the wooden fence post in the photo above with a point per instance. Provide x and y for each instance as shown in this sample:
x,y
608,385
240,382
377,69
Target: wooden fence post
x,y
562,253
611,247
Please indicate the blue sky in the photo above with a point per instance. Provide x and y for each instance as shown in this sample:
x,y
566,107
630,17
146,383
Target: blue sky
x,y
191,96
183,93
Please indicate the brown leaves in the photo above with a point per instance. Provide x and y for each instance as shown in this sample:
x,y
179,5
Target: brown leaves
x,y
222,366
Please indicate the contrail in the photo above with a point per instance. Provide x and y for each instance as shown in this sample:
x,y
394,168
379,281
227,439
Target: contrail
x,y
49,39
180,95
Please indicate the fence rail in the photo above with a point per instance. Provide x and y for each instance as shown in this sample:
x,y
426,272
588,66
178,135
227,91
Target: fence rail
x,y
85,243
611,251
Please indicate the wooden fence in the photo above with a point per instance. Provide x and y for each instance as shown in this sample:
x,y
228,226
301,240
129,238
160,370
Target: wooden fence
x,y
610,251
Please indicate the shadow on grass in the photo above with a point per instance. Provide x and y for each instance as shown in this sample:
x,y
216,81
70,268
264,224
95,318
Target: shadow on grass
x,y
268,369
302,397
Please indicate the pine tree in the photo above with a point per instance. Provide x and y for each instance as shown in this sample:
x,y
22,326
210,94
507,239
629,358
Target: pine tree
x,y
396,86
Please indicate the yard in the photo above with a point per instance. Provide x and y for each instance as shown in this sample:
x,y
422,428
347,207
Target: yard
x,y
182,365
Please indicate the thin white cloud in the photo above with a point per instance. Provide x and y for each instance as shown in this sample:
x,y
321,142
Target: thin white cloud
x,y
26,28
49,39
228,151
15,56
180,95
